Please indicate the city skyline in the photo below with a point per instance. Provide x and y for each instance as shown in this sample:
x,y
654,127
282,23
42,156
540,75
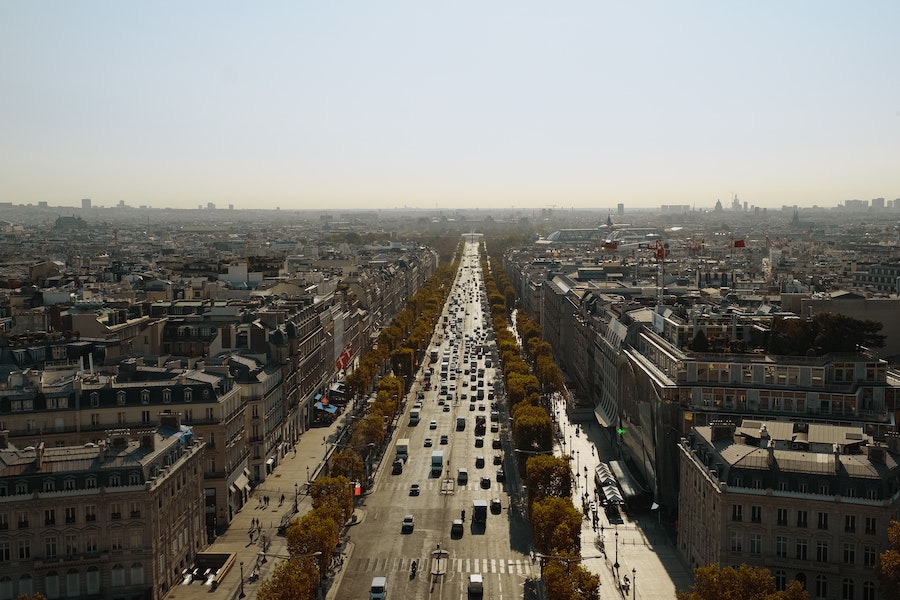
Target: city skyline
x,y
527,106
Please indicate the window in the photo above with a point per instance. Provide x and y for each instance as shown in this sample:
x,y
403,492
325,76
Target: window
x,y
135,511
95,399
803,487
5,555
781,545
90,543
850,523
70,514
756,514
823,520
870,554
93,581
801,518
24,549
51,584
780,580
188,415
145,396
870,525
210,415
736,512
115,541
782,516
71,544
69,485
145,416
50,547
849,554
114,480
801,548
49,485
824,489
72,584
821,551
135,538
90,512
134,479
90,483
821,588
137,574
4,521
188,394
21,488
95,419
115,510
737,541
118,575
120,397
121,418
50,516
167,396
23,519
868,590
755,543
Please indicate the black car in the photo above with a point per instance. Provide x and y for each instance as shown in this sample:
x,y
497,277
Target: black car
x,y
501,475
495,444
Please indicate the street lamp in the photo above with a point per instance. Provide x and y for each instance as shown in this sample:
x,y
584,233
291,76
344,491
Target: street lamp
x,y
307,473
616,564
296,496
633,583
242,595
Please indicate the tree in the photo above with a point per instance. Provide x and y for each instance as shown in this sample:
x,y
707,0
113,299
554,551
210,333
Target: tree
x,y
713,582
556,526
532,428
700,343
292,579
566,581
313,532
548,475
333,490
888,568
347,463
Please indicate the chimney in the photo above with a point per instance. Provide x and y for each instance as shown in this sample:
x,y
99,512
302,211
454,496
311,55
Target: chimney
x,y
39,456
892,439
770,447
4,439
876,453
764,436
836,451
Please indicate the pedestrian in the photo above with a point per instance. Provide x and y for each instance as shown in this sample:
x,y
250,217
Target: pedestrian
x,y
251,537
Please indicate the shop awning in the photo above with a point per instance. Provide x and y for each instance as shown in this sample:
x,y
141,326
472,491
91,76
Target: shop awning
x,y
326,407
626,480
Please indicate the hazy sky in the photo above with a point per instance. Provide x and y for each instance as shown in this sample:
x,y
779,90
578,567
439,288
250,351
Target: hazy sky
x,y
429,103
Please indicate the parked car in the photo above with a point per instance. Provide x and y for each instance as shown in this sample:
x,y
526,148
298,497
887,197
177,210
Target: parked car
x,y
496,507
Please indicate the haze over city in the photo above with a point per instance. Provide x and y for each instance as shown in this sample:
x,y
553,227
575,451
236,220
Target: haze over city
x,y
438,105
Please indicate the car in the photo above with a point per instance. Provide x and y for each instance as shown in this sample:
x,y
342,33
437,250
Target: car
x,y
479,462
491,397
496,507
445,440
446,408
417,405
496,444
479,442
429,442
397,467
409,523
432,424
475,587
498,459
471,407
481,407
485,482
414,489
495,416
456,528
501,475
495,427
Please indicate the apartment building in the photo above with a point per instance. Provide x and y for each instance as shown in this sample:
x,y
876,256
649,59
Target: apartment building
x,y
805,500
120,518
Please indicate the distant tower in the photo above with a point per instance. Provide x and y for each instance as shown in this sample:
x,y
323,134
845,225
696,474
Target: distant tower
x,y
718,207
621,209
85,204
609,222
795,221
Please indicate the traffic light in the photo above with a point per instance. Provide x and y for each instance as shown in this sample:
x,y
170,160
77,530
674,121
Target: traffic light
x,y
620,431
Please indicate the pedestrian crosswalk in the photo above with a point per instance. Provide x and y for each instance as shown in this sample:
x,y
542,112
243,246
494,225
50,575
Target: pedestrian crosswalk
x,y
395,564
436,486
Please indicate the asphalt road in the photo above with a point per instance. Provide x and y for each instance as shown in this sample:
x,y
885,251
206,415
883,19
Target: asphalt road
x,y
499,548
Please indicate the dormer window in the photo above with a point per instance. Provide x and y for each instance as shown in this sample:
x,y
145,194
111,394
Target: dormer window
x,y
188,394
167,396
120,397
145,396
49,485
206,394
114,480
95,399
134,479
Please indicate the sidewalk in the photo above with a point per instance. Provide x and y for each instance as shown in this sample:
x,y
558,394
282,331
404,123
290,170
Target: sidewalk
x,y
289,479
644,548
